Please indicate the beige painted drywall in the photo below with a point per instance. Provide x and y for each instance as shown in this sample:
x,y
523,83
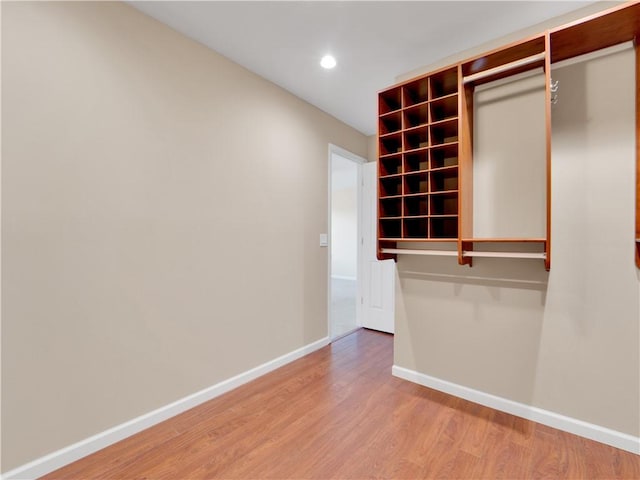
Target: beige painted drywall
x,y
161,208
509,164
589,361
567,341
372,148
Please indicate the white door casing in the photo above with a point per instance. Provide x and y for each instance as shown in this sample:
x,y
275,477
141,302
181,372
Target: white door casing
x,y
359,162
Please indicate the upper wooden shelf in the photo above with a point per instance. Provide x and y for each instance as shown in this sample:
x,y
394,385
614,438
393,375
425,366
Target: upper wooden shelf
x,y
605,29
491,62
505,240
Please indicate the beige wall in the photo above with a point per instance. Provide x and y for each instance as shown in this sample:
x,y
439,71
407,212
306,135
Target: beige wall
x,y
509,164
567,341
160,220
372,148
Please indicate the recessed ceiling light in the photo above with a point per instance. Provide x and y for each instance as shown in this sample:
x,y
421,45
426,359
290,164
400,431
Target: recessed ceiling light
x,y
328,62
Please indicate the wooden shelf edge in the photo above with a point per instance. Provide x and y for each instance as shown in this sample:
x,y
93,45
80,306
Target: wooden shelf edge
x,y
532,255
383,136
443,169
444,97
454,253
408,251
419,240
505,240
490,74
390,113
609,27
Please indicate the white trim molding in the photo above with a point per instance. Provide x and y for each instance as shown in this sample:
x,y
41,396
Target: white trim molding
x,y
591,431
343,277
67,455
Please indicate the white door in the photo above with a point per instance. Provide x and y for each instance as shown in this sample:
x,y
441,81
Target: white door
x,y
378,277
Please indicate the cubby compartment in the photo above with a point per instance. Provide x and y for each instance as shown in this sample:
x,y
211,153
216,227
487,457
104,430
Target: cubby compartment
x,y
443,204
390,228
416,161
390,207
444,227
391,144
390,165
444,83
416,138
416,183
444,180
390,186
444,156
390,100
444,108
416,92
416,227
416,206
390,123
416,116
444,132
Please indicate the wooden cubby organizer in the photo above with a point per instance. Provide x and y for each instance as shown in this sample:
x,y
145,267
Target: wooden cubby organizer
x,y
418,161
425,142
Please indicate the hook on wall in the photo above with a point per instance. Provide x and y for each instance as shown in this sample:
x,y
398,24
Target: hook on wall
x,y
554,87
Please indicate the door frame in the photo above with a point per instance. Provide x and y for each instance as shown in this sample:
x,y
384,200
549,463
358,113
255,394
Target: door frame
x,y
359,161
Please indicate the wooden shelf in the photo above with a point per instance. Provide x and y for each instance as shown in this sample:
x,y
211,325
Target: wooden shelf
x,y
504,240
502,56
534,255
416,150
450,168
605,29
407,251
418,240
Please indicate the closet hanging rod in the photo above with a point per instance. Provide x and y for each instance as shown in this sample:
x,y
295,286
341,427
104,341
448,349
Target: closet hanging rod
x,y
466,253
446,253
504,68
534,255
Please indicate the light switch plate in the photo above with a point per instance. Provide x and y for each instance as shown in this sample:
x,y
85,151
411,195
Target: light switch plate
x,y
324,240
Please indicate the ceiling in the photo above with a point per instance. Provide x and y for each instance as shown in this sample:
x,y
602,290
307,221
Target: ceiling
x,y
373,42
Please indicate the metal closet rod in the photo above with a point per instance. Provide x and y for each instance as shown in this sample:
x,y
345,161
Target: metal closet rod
x,y
465,253
445,253
504,68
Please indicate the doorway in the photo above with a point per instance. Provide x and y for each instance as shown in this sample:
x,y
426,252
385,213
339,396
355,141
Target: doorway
x,y
345,202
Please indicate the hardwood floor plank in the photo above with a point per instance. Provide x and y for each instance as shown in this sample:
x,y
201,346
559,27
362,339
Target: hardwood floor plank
x,y
544,456
338,413
625,465
502,460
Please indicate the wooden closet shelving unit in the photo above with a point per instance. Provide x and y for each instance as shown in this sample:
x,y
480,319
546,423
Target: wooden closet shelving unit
x,y
425,140
418,162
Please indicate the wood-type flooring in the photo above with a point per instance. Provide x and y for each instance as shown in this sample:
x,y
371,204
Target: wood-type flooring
x,y
338,413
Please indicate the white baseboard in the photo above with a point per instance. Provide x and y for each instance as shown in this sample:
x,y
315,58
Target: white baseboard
x,y
578,427
67,455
